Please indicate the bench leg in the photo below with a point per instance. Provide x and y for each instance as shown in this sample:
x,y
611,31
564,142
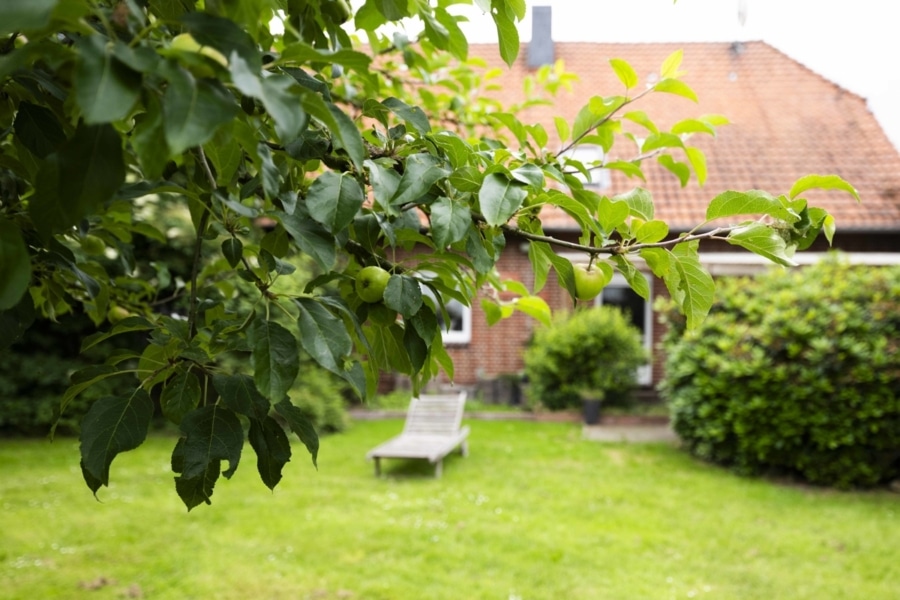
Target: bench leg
x,y
464,448
377,466
438,469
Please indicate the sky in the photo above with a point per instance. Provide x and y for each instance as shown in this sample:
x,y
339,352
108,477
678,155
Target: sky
x,y
853,43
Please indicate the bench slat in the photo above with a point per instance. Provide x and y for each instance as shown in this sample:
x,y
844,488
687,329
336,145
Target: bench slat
x,y
432,431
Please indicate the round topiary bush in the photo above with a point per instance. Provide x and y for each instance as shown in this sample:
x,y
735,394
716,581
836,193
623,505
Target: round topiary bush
x,y
794,372
595,350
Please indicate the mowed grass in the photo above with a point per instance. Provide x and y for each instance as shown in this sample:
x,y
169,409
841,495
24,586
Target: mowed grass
x,y
534,512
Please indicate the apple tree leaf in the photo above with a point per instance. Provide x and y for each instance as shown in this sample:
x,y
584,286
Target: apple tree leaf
x,y
112,425
449,221
500,198
695,283
824,182
624,72
753,202
413,115
651,232
273,450
677,87
420,173
193,109
312,238
239,393
274,357
508,36
635,278
640,203
38,129
403,294
323,335
15,265
85,173
105,88
763,240
301,424
180,396
333,200
24,16
211,434
233,251
535,307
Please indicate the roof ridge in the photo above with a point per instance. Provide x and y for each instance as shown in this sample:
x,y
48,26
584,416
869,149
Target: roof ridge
x,y
760,42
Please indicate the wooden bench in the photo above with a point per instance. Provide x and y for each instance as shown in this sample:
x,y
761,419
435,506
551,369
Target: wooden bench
x,y
432,431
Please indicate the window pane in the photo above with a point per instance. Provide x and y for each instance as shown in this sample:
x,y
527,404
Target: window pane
x,y
455,311
636,310
460,330
629,301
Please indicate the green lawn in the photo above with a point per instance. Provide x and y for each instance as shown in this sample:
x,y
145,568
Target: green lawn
x,y
533,512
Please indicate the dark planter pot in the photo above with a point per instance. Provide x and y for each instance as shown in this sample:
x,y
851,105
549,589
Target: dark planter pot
x,y
591,412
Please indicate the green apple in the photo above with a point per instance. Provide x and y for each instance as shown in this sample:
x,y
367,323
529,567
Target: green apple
x,y
116,313
590,280
338,10
93,245
370,283
187,43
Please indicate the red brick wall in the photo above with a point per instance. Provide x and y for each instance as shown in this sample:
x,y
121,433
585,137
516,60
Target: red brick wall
x,y
659,330
497,350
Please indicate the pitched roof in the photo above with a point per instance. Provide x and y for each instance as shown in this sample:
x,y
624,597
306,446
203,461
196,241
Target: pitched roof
x,y
786,122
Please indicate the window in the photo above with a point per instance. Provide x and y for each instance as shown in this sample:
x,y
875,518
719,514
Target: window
x,y
590,156
619,293
459,330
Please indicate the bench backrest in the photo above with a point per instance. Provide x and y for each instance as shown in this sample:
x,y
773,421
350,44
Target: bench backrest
x,y
435,414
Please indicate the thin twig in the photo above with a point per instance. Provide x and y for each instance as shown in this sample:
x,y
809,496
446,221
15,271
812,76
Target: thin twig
x,y
602,121
198,246
616,249
206,168
195,271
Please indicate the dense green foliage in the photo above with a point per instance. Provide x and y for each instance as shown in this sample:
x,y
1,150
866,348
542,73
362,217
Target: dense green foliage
x,y
796,372
591,354
339,140
36,371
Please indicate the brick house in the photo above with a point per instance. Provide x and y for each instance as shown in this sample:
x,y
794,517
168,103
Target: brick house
x,y
787,121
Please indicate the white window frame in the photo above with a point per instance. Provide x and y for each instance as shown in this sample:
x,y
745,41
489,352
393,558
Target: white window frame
x,y
452,336
457,336
644,372
586,154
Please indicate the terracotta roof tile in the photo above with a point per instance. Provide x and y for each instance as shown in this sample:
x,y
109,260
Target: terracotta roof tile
x,y
787,121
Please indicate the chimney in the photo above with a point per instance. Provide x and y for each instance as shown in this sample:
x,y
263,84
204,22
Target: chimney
x,y
540,50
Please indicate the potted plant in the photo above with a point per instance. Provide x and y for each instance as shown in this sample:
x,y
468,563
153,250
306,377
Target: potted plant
x,y
584,360
613,378
591,403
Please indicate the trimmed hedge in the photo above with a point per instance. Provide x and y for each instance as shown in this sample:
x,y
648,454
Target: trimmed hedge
x,y
594,348
794,372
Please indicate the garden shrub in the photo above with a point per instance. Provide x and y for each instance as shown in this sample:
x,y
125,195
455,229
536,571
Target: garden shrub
x,y
595,349
794,372
397,399
321,397
36,370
